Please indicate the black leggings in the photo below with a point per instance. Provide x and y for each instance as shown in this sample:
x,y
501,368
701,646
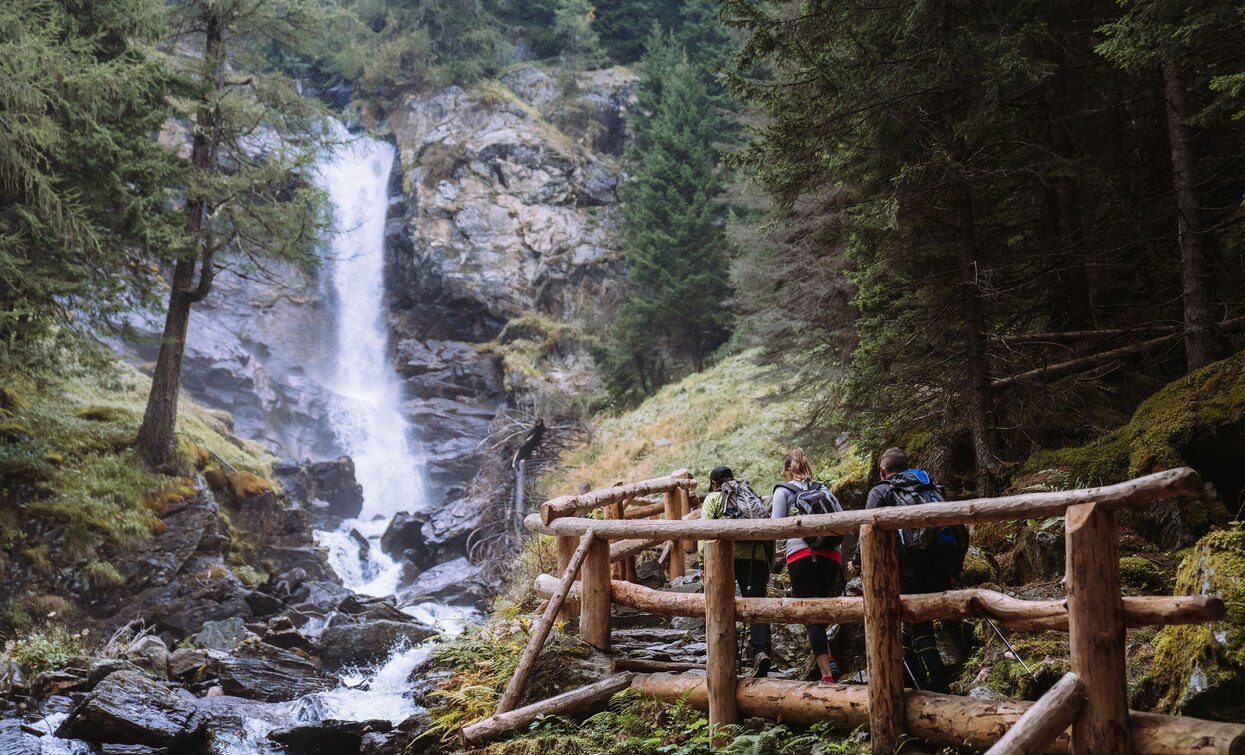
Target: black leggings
x,y
921,572
752,575
814,577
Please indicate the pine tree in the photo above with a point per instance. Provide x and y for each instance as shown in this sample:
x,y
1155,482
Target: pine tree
x,y
573,27
672,231
82,183
252,135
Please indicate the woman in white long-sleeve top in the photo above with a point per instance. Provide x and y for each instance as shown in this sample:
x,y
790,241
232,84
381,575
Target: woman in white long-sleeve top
x,y
814,570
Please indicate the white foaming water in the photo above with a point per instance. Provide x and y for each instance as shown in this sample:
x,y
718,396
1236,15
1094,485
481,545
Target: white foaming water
x,y
368,419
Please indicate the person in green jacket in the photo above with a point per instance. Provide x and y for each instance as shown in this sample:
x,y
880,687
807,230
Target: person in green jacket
x,y
752,568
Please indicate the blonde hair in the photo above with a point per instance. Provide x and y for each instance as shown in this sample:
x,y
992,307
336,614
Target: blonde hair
x,y
796,465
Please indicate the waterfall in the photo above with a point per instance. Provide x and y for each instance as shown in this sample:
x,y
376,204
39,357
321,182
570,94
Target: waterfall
x,y
367,417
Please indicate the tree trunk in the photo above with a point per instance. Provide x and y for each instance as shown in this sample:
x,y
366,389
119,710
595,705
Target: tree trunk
x,y
980,400
1073,277
156,441
1197,324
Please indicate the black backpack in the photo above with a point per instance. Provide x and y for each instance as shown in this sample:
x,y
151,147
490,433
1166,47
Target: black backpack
x,y
740,501
949,542
817,499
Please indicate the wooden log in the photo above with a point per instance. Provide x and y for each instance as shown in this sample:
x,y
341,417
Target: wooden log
x,y
940,719
678,565
645,511
879,551
523,671
594,607
1045,721
954,605
1132,493
1096,630
566,548
720,638
574,505
648,666
685,506
618,569
627,548
575,701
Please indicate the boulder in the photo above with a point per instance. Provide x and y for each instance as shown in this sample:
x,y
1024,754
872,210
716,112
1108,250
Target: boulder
x,y
129,707
132,750
405,533
1039,556
328,489
457,582
185,662
264,672
329,737
149,653
205,590
15,741
411,735
223,635
283,534
369,642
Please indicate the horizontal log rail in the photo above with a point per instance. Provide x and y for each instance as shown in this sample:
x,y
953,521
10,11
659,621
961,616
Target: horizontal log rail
x,y
574,505
1132,493
1015,613
941,719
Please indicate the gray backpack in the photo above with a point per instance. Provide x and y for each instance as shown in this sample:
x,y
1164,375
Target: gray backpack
x,y
739,501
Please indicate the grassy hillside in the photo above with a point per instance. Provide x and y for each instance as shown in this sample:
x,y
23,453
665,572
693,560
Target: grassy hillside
x,y
735,413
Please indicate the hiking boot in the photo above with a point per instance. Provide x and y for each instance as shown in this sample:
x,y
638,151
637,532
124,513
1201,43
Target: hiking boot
x,y
761,666
829,680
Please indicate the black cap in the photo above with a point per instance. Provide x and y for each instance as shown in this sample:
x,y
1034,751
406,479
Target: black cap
x,y
721,473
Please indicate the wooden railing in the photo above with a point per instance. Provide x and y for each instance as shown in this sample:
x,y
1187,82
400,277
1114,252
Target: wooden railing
x,y
1091,699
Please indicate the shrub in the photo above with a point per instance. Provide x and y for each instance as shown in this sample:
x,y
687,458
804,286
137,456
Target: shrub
x,y
44,649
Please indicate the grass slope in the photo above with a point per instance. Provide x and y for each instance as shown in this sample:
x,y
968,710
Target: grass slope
x,y
735,413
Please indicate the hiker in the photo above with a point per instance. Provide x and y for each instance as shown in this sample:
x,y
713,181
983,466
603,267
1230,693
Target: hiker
x,y
729,498
928,560
814,563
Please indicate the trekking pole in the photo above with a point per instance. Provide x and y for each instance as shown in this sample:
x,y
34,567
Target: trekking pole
x,y
1012,650
911,675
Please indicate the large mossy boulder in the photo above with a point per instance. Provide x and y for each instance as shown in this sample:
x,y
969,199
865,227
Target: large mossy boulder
x,y
1200,670
1197,421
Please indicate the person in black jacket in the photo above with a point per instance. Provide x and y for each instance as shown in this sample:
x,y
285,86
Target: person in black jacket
x,y
919,572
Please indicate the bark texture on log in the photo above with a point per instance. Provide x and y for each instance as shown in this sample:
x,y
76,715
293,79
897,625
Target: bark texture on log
x,y
1046,721
720,638
594,609
1096,630
518,681
941,719
566,549
574,505
575,701
1025,615
879,550
627,548
647,666
1132,493
678,565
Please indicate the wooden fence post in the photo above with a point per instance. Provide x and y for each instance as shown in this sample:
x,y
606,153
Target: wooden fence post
x,y
616,511
594,606
518,681
720,638
685,505
677,566
566,549
879,551
1096,630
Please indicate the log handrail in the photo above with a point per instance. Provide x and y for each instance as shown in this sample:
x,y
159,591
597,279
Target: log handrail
x,y
1132,493
1091,699
573,505
953,605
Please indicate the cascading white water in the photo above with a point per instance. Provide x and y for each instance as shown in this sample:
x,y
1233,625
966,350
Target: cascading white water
x,y
367,418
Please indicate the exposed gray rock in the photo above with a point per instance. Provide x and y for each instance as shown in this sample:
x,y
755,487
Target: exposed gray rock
x,y
14,741
264,672
223,635
284,535
129,707
458,582
329,737
327,489
368,642
405,533
149,653
185,662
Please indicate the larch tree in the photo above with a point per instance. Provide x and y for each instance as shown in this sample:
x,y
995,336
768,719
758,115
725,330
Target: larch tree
x,y
252,136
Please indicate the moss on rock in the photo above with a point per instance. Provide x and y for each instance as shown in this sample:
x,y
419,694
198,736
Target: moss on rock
x,y
1159,433
1200,670
1143,574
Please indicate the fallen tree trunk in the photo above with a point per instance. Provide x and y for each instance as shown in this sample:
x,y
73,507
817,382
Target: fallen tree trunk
x,y
574,505
1131,493
942,719
575,701
1025,615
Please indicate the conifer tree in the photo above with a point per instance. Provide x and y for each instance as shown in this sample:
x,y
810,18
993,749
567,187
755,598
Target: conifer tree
x,y
252,135
673,238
